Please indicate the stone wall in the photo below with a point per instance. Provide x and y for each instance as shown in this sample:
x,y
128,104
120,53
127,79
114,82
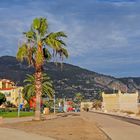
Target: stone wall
x,y
121,102
110,102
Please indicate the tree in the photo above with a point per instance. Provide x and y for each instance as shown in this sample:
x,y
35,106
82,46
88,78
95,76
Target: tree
x,y
2,98
40,46
78,97
29,88
97,104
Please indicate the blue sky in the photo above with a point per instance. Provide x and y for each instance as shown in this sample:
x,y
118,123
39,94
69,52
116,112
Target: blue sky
x,y
103,35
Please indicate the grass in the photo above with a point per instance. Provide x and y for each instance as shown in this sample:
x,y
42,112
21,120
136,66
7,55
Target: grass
x,y
15,114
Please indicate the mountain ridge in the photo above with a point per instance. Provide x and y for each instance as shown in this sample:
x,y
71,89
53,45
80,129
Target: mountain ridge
x,y
70,79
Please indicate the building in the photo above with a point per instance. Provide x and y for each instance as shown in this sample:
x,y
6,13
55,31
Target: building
x,y
127,102
12,92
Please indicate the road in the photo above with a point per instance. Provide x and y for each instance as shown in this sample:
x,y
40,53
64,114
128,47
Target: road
x,y
116,129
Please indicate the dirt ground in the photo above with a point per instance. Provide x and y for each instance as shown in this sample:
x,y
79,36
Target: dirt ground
x,y
63,127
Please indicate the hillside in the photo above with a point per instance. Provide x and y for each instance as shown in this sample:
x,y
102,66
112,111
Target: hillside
x,y
132,83
69,80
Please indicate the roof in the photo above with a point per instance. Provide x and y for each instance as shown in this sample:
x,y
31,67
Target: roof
x,y
1,89
7,81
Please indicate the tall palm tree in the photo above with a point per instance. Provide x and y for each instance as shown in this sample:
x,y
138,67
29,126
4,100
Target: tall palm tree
x,y
39,45
29,88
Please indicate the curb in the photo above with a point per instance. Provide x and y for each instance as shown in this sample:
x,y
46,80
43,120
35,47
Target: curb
x,y
102,130
120,117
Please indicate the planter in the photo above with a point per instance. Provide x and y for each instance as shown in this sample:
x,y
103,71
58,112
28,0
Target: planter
x,y
46,111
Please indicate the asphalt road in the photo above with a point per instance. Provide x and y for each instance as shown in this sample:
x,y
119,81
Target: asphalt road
x,y
115,128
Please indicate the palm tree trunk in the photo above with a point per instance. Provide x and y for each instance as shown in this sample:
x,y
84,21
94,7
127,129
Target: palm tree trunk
x,y
38,90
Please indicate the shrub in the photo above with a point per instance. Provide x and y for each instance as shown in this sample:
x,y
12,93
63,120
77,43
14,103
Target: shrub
x,y
86,107
2,98
97,104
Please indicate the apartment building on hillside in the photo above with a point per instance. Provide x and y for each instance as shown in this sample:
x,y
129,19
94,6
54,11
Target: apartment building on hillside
x,y
12,92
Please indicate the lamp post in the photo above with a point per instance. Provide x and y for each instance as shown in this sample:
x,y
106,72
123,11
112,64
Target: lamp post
x,y
19,96
54,103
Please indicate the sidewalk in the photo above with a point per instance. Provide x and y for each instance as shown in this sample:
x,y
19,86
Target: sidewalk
x,y
68,126
24,119
14,134
14,120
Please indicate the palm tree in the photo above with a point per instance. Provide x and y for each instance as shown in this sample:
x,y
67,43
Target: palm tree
x,y
29,88
39,46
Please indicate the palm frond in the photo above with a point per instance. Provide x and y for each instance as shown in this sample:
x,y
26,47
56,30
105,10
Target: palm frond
x,y
29,79
64,52
22,52
41,25
29,88
58,35
53,40
46,54
30,36
47,91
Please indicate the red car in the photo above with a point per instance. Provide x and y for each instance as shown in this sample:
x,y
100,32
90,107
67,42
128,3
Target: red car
x,y
70,109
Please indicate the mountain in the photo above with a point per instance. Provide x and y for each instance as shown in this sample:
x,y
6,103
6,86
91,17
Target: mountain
x,y
69,79
133,83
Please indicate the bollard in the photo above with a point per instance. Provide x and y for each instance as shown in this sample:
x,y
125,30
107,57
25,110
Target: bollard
x,y
46,111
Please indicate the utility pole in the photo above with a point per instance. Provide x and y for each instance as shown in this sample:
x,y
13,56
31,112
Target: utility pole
x,y
54,103
64,108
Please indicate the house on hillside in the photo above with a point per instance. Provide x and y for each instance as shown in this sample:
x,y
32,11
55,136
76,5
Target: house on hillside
x,y
12,92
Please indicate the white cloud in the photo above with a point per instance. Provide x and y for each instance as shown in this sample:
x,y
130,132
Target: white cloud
x,y
96,31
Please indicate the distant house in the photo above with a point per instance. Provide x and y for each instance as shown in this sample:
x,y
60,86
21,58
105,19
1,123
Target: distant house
x,y
12,92
118,101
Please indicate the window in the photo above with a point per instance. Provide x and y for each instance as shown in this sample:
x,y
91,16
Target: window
x,y
7,94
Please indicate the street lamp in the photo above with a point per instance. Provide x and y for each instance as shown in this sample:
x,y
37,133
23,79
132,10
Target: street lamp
x,y
19,96
54,103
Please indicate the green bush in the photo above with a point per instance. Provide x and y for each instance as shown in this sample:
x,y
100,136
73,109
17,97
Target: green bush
x,y
8,109
2,98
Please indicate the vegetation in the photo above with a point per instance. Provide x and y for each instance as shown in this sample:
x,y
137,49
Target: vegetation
x,y
86,107
8,104
78,98
29,88
98,96
40,46
49,104
14,114
97,104
2,98
67,84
